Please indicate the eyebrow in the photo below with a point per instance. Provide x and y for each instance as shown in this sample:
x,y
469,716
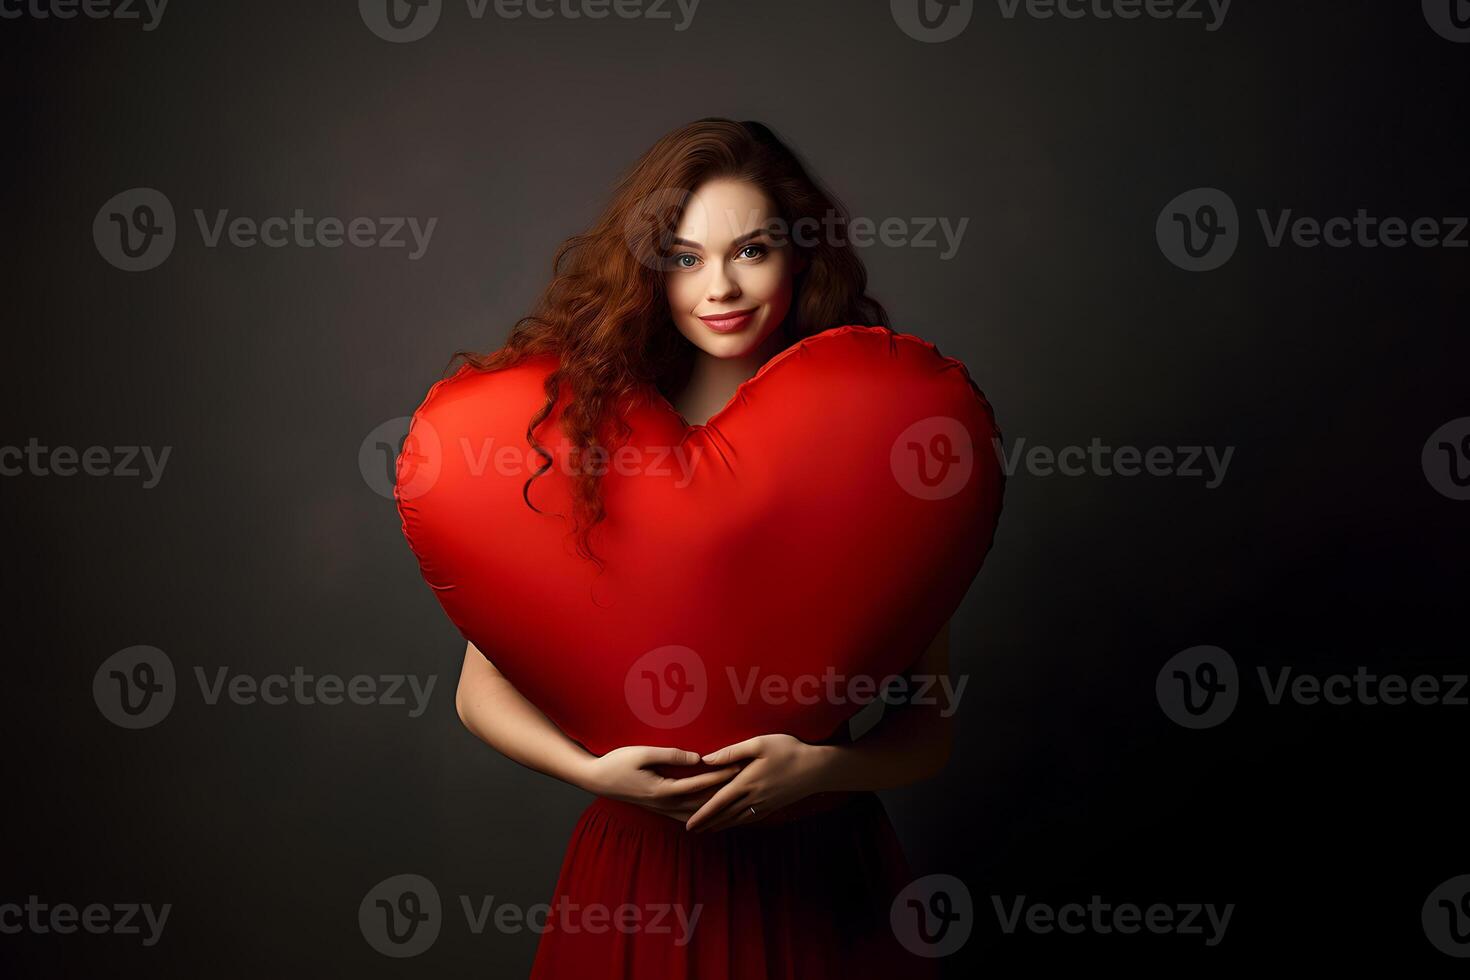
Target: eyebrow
x,y
737,242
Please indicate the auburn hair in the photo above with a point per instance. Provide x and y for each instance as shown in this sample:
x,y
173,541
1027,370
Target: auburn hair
x,y
605,313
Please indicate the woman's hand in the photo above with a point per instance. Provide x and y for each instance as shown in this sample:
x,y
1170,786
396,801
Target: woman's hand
x,y
911,742
626,774
775,771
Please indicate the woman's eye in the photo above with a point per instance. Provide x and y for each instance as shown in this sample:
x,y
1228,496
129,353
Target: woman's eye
x,y
756,251
681,264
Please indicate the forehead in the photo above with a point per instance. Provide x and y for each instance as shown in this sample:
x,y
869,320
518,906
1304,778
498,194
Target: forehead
x,y
720,211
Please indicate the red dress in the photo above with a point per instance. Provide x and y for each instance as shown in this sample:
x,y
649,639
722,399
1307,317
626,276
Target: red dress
x,y
803,895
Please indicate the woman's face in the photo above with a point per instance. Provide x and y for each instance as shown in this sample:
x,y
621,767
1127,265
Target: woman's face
x,y
727,261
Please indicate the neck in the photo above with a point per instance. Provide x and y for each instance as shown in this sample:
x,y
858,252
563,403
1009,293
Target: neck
x,y
713,380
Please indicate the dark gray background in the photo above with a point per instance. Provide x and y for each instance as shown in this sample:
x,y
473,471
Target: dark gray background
x,y
263,548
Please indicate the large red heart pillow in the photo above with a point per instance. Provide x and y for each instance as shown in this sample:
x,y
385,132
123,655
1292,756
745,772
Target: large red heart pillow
x,y
768,571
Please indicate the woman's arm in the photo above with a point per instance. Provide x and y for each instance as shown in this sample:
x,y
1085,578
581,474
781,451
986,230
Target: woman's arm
x,y
911,743
498,714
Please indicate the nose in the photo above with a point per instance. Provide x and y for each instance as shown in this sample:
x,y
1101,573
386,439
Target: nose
x,y
722,285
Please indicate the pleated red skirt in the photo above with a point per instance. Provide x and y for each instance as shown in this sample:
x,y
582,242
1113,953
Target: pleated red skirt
x,y
803,895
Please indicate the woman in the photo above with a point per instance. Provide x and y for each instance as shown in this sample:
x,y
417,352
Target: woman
x,y
774,858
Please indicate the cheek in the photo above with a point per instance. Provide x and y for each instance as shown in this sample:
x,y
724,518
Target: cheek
x,y
768,283
682,290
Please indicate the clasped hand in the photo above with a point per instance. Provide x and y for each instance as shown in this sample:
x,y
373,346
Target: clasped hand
x,y
766,772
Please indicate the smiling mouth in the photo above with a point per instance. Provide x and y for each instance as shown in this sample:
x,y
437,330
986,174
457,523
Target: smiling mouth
x,y
729,322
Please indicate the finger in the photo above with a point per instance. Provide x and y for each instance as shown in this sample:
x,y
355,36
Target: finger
x,y
684,809
733,792
665,807
694,784
740,750
735,817
654,755
680,808
679,812
690,804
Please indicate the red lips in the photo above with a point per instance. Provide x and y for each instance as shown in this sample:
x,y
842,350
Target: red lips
x,y
729,322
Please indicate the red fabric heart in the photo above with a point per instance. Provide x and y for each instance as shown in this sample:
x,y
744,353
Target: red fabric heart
x,y
766,571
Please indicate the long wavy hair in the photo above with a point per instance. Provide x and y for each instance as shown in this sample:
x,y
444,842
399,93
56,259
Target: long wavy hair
x,y
605,313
